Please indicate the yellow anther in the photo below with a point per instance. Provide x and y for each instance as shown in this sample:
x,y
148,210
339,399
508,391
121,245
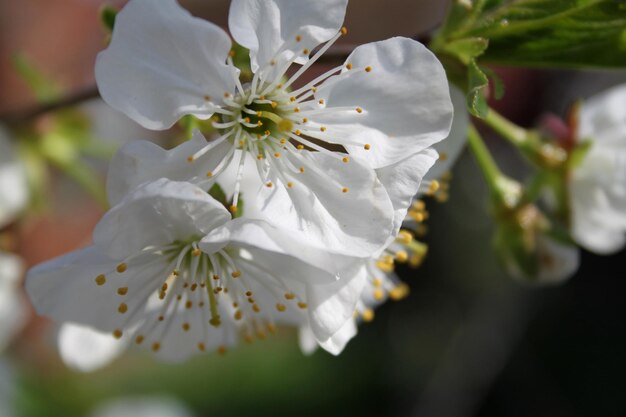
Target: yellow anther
x,y
305,120
215,321
231,53
290,296
405,237
283,141
384,266
209,174
379,294
248,293
345,159
344,30
117,333
289,184
367,315
260,334
367,146
301,169
402,256
321,101
179,297
246,119
235,274
368,69
277,155
123,308
248,338
302,305
345,189
196,252
274,104
194,286
269,184
279,85
259,157
233,209
377,282
156,346
222,350
298,38
443,156
226,95
256,308
419,205
122,290
121,268
349,66
161,318
359,110
281,307
201,347
271,328
188,304
207,98
242,143
238,315
292,99
434,186
216,278
418,216
139,339
273,62
300,146
101,279
322,129
399,292
416,260
314,89
296,110
186,327
259,123
297,132
186,285
305,51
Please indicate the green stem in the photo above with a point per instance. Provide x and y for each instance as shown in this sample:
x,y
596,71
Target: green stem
x,y
515,134
487,165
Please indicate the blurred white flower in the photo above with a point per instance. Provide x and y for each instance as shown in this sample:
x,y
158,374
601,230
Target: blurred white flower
x,y
168,269
13,310
387,103
85,349
13,181
142,407
598,184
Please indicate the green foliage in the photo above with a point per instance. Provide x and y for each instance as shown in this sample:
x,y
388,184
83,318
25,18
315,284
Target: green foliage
x,y
107,17
43,88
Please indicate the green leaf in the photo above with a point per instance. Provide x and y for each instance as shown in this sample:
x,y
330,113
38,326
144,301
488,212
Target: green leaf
x,y
44,89
218,193
498,85
477,85
563,33
466,49
107,17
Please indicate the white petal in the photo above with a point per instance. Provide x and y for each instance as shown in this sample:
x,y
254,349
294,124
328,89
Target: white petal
x,y
337,342
405,101
279,250
264,26
558,262
402,181
331,305
355,223
13,312
140,161
602,113
162,63
158,213
85,349
13,181
142,407
450,148
65,288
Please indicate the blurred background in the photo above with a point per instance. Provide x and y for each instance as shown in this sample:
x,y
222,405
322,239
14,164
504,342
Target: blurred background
x,y
468,341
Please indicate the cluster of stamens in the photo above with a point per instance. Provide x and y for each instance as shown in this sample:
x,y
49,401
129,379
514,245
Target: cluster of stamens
x,y
275,123
196,283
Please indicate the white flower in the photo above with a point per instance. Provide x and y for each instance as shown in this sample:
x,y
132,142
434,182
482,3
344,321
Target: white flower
x,y
13,310
389,102
13,182
141,407
598,185
168,269
84,349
